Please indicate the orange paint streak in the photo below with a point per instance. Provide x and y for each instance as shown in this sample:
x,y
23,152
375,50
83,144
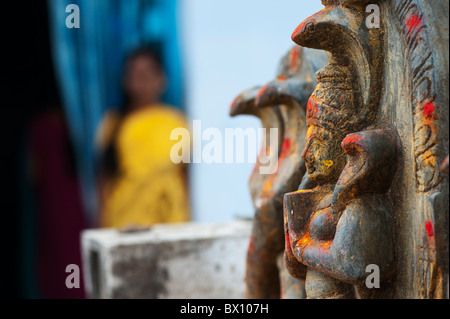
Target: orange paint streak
x,y
312,108
326,245
351,139
294,57
304,242
261,92
268,185
309,105
282,77
428,115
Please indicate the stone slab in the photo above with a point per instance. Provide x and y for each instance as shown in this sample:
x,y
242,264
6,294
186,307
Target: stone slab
x,y
167,261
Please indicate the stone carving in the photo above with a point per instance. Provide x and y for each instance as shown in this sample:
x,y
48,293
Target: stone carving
x,y
413,27
338,230
373,194
244,104
280,104
419,28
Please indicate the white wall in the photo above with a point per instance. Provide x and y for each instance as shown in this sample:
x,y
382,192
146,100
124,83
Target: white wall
x,y
229,46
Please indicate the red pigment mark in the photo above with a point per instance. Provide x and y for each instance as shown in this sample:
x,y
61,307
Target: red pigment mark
x,y
297,30
429,228
301,26
282,77
309,105
351,139
261,92
429,109
288,240
286,146
235,101
284,150
312,107
413,22
251,245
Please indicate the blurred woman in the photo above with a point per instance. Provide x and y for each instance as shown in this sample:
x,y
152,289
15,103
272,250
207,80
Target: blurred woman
x,y
139,184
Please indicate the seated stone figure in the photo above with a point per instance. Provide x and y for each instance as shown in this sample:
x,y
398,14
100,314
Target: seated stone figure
x,y
371,217
338,229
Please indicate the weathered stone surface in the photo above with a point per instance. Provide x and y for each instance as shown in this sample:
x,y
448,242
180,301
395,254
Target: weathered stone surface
x,y
377,133
167,261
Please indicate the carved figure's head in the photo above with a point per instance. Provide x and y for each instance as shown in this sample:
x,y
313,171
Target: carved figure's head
x,y
348,92
331,115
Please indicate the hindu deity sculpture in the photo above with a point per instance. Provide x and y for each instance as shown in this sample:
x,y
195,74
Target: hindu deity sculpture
x,y
280,104
370,219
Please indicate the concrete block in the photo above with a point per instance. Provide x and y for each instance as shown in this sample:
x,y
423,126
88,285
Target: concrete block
x,y
168,261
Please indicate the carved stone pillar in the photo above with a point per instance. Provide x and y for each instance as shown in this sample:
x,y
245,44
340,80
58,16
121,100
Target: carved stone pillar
x,y
377,133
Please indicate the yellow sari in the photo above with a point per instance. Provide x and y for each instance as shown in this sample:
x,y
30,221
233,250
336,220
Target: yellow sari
x,y
150,188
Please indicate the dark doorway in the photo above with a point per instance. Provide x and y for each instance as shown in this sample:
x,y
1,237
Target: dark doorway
x,y
28,86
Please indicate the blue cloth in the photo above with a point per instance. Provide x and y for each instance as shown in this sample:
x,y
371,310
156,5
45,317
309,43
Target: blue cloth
x,y
89,61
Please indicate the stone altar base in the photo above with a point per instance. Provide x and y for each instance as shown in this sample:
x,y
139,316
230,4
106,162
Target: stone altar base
x,y
168,261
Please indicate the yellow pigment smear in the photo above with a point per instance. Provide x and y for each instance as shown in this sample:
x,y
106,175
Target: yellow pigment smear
x,y
309,132
328,163
430,159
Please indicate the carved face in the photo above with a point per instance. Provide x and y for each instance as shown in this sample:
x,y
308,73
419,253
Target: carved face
x,y
323,155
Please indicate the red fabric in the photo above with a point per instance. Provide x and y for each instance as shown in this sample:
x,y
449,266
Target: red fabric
x,y
59,206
